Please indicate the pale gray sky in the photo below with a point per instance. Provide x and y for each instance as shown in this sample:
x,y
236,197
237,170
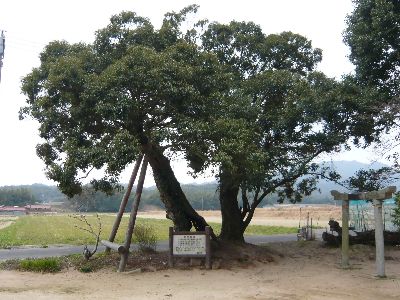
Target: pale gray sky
x,y
30,25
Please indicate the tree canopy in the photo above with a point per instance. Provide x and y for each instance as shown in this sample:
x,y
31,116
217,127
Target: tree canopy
x,y
373,35
251,106
99,105
277,117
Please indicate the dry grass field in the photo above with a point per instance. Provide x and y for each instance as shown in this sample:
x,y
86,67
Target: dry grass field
x,y
283,215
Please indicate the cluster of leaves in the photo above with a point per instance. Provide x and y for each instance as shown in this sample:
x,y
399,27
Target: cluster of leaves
x,y
373,34
372,179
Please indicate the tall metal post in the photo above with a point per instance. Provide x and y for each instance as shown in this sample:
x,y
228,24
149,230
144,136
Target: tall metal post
x,y
345,233
379,241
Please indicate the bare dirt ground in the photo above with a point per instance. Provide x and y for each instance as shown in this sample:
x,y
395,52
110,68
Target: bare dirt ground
x,y
300,270
284,215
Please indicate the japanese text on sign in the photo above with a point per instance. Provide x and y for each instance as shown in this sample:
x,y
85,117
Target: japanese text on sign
x,y
189,244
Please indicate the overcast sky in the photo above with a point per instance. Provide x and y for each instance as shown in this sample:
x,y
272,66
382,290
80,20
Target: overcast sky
x,y
30,25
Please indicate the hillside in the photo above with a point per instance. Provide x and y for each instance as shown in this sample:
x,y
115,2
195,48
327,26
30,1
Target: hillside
x,y
201,196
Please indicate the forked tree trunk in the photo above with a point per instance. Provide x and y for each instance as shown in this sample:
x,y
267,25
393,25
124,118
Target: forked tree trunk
x,y
177,206
232,223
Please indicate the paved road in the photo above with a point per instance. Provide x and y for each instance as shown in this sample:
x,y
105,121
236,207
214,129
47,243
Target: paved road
x,y
52,251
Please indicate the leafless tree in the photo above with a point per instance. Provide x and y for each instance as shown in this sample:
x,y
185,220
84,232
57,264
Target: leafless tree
x,y
86,226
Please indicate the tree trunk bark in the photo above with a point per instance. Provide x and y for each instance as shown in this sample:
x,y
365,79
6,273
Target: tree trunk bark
x,y
177,206
232,223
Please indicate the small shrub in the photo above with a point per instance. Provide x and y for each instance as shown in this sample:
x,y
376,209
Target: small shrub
x,y
86,269
146,237
46,265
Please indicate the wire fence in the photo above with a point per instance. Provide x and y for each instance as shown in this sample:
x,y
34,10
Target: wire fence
x,y
362,215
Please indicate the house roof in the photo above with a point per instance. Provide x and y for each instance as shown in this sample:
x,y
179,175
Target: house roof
x,y
12,208
37,206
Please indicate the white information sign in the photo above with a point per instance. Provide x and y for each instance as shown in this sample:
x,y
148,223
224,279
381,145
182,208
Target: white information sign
x,y
189,244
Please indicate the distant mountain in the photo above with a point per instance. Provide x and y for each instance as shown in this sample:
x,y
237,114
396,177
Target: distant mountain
x,y
346,169
42,192
204,196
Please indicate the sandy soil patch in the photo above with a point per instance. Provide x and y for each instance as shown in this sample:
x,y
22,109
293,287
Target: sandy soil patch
x,y
307,270
285,215
4,224
6,221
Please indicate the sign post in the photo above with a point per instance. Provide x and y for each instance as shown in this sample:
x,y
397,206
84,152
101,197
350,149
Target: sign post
x,y
190,244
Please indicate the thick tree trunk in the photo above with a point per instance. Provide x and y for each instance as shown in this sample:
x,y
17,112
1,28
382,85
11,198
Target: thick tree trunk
x,y
177,206
232,222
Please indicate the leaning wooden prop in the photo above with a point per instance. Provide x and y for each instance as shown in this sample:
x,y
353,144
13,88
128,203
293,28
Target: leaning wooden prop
x,y
123,250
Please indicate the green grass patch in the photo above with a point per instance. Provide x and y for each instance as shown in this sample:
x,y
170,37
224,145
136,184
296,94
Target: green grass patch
x,y
52,265
60,229
44,265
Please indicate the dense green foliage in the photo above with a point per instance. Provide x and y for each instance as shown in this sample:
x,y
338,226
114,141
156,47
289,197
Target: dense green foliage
x,y
18,196
100,104
373,34
279,115
372,180
247,104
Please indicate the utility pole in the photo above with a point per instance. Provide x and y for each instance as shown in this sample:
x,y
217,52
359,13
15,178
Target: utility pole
x,y
2,47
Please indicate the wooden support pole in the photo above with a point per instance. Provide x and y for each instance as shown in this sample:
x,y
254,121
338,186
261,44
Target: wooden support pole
x,y
132,217
171,251
379,242
345,234
208,248
119,248
124,201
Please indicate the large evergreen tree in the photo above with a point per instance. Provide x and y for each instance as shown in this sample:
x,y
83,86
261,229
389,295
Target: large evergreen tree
x,y
279,116
100,105
228,96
